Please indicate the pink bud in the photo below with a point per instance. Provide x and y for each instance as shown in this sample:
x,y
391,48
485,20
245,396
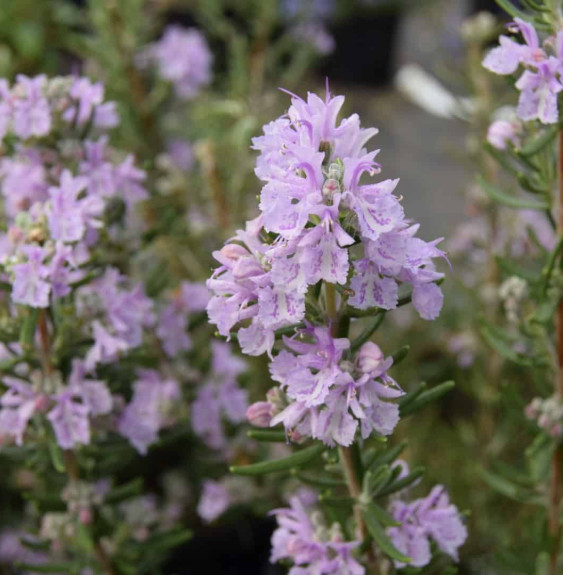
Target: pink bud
x,y
85,516
15,234
369,357
500,133
42,403
260,414
233,251
530,411
556,430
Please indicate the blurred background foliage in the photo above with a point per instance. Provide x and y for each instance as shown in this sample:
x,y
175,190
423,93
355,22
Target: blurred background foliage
x,y
190,213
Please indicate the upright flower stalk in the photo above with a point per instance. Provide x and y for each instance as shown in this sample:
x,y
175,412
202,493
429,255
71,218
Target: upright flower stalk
x,y
535,143
330,250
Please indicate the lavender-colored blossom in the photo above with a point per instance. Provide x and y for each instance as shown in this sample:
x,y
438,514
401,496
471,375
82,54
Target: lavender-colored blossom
x,y
182,154
146,413
540,82
70,421
23,182
172,330
106,347
313,375
220,398
194,296
506,58
32,115
87,96
98,171
68,215
430,518
538,98
182,58
17,406
30,286
312,548
214,500
94,393
501,132
125,313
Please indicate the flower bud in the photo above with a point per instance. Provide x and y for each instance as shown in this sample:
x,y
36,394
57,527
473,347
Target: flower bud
x,y
260,414
233,251
85,516
501,132
369,357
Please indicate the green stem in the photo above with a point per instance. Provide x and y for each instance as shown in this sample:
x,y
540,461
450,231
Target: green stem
x,y
349,458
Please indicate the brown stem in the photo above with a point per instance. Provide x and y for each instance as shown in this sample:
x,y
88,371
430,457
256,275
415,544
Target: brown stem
x,y
355,490
554,509
69,458
73,471
46,359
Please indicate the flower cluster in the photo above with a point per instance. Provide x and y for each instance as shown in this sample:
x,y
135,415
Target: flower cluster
x,y
220,398
182,57
541,81
303,537
314,209
68,197
548,414
328,246
431,518
329,396
56,197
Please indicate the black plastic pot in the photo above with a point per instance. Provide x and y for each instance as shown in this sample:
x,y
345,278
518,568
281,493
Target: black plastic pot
x,y
365,49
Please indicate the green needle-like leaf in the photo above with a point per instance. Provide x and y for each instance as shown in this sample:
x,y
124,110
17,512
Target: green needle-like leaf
x,y
267,435
511,201
377,531
427,397
295,460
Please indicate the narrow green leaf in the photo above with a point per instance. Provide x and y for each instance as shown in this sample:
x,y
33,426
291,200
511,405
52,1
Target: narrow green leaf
x,y
512,10
168,540
400,354
367,333
56,456
499,342
411,396
427,397
547,272
267,435
506,487
511,201
382,457
318,480
403,482
513,269
340,502
27,331
377,531
125,491
382,515
295,460
378,479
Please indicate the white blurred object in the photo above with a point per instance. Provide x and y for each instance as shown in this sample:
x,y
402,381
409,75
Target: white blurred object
x,y
428,93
